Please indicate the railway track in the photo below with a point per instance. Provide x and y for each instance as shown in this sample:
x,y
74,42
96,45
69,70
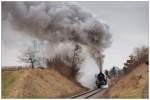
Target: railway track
x,y
87,94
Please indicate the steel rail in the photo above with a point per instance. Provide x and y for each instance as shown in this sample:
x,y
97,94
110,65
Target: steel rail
x,y
82,93
93,94
87,94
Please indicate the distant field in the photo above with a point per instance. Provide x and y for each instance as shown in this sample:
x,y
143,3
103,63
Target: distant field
x,y
37,83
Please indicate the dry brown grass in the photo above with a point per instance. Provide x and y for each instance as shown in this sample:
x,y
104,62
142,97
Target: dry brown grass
x,y
37,83
133,85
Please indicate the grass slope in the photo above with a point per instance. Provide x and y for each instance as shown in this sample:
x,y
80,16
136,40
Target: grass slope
x,y
133,85
37,83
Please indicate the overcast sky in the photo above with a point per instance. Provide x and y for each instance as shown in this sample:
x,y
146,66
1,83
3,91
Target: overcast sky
x,y
128,22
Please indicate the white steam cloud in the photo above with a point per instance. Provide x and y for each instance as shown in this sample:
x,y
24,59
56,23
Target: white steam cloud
x,y
62,25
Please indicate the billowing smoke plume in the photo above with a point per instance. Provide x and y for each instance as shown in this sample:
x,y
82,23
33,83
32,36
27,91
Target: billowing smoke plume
x,y
60,22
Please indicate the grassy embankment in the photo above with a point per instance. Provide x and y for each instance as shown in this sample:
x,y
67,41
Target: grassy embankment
x,y
37,83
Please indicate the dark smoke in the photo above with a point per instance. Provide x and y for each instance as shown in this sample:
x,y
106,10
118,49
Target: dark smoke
x,y
57,22
61,22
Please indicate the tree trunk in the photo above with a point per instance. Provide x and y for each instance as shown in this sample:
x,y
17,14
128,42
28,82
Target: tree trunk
x,y
32,65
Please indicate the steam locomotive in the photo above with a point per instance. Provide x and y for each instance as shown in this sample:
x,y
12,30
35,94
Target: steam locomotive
x,y
101,81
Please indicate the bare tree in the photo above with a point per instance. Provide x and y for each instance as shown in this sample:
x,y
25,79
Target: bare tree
x,y
113,72
107,74
76,59
125,69
29,56
139,56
